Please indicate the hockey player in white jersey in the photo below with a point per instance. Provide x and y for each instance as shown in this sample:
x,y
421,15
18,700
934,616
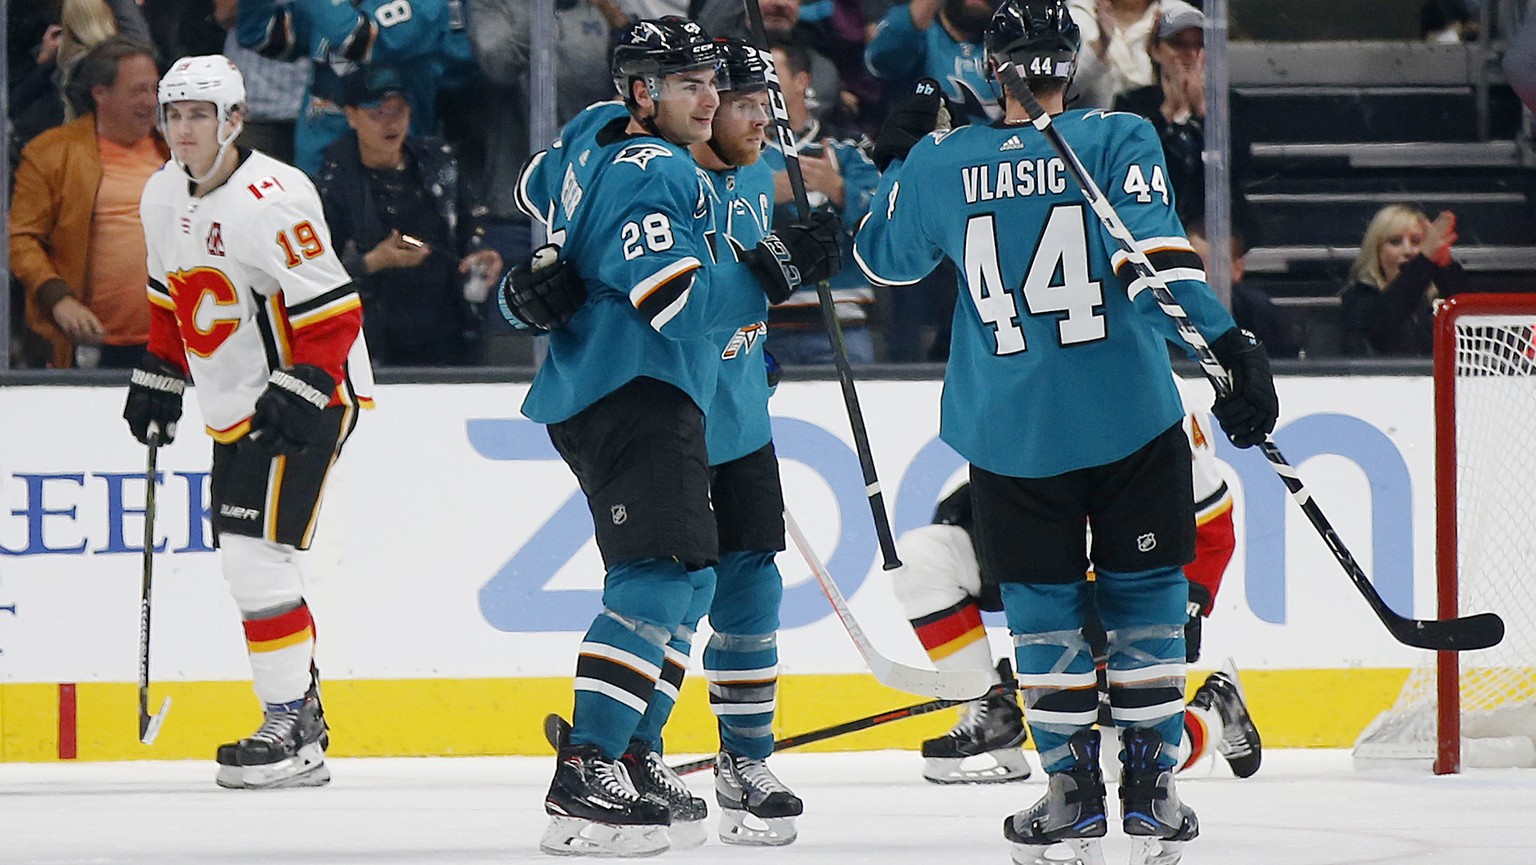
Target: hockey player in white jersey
x,y
249,301
942,593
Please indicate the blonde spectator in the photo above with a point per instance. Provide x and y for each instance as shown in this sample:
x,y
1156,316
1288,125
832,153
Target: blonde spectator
x,y
1403,267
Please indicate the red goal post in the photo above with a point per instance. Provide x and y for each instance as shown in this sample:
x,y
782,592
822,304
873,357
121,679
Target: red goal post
x,y
1477,708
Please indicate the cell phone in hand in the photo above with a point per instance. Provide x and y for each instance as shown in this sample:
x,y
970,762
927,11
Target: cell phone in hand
x,y
411,241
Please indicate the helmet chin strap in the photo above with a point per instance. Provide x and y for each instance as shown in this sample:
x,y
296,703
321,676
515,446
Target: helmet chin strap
x,y
218,158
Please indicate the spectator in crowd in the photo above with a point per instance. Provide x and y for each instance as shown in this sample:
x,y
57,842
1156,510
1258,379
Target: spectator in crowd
x,y
1117,38
421,37
938,39
844,32
782,23
76,242
1403,268
40,98
840,179
273,89
1252,307
400,218
1175,103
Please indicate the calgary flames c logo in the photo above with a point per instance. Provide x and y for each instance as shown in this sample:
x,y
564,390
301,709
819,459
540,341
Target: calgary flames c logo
x,y
205,326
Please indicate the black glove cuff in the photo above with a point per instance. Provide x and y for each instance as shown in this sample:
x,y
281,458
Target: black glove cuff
x,y
308,383
158,381
775,268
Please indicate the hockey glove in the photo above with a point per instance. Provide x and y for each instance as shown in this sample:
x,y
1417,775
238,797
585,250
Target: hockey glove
x,y
797,255
541,294
912,118
288,413
775,372
154,400
1248,414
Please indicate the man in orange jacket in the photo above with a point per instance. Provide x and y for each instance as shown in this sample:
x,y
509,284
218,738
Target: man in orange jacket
x,y
76,242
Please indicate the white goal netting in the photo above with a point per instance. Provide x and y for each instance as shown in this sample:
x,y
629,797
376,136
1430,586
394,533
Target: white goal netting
x,y
1492,422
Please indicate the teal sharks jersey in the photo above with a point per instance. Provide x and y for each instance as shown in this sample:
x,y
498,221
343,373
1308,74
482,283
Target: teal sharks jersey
x,y
1059,356
632,214
737,423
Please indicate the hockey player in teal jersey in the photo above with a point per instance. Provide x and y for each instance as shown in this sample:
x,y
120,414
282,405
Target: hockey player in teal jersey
x,y
741,659
1059,393
624,389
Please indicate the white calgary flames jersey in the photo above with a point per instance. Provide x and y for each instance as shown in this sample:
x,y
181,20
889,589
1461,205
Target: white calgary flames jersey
x,y
249,274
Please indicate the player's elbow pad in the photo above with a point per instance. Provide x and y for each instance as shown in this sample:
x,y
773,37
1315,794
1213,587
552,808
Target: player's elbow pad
x,y
660,298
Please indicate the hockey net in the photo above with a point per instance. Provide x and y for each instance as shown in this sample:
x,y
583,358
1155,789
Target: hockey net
x,y
1478,708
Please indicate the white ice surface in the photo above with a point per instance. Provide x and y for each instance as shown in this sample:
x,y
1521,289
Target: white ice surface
x,y
1303,808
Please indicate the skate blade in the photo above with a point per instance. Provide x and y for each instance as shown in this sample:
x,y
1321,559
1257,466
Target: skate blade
x,y
304,769
1073,851
687,834
993,767
743,829
573,836
1155,851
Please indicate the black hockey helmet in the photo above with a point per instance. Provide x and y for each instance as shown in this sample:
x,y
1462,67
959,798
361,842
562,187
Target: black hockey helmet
x,y
653,49
745,71
1038,36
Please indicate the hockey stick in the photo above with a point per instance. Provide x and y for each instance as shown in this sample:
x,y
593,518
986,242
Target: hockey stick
x,y
1454,635
149,726
824,296
955,685
556,727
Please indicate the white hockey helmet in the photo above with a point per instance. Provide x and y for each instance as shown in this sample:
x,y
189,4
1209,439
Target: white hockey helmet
x,y
210,78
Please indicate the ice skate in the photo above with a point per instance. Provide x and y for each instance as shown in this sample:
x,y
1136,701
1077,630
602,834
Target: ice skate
x,y
288,750
1152,814
656,781
757,809
594,811
983,748
1065,826
1239,745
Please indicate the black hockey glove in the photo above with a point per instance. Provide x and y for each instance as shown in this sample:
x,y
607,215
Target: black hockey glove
x,y
1248,414
541,294
912,118
288,413
799,254
154,400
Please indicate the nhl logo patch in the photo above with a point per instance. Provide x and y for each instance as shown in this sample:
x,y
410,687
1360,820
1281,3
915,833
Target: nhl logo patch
x,y
619,513
1146,543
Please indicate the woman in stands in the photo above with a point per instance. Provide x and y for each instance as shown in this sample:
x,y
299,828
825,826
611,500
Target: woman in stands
x,y
1403,268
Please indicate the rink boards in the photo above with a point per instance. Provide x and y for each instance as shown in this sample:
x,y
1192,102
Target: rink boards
x,y
453,571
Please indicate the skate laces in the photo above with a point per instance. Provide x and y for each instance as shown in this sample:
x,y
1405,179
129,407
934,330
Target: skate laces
x,y
756,775
277,727
663,775
972,721
614,780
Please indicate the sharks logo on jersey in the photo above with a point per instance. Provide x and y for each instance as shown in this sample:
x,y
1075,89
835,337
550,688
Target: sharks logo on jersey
x,y
642,154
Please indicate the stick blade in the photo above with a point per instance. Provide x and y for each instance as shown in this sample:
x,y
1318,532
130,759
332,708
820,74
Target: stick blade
x,y
1466,634
149,725
556,730
950,685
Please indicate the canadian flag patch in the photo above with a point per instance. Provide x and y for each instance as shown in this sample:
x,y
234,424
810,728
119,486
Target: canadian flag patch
x,y
263,186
